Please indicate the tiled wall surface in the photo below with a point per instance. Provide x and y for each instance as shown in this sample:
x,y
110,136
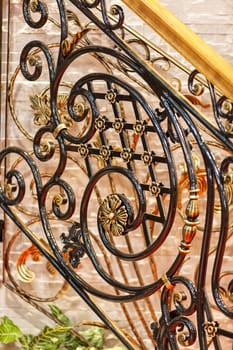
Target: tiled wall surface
x,y
213,23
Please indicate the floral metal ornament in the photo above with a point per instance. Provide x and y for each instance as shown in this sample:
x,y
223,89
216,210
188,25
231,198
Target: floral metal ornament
x,y
147,158
40,104
155,188
41,108
100,123
118,125
113,215
105,153
211,329
111,96
139,127
126,154
83,150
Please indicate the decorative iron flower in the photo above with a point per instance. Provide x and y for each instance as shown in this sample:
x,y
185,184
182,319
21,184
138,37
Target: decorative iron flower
x,y
105,153
100,123
211,329
83,150
111,96
147,157
139,127
155,188
113,215
126,154
118,125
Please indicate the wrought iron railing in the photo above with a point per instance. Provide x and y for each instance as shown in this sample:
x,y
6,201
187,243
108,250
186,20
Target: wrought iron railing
x,y
121,179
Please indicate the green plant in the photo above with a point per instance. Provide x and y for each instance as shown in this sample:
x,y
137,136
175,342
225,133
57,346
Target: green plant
x,y
54,338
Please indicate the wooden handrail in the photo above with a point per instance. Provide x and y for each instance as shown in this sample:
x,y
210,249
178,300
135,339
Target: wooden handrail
x,y
191,46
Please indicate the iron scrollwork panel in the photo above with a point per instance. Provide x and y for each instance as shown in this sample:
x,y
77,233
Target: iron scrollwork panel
x,y
125,178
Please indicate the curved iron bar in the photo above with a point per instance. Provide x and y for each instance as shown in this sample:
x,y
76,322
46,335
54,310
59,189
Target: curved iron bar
x,y
212,173
174,123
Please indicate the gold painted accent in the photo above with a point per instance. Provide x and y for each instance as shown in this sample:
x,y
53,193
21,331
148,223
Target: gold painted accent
x,y
183,339
226,293
33,5
34,60
62,110
23,271
191,223
166,281
184,182
192,210
10,188
191,46
227,107
58,129
47,147
24,274
65,47
41,107
184,248
40,103
59,199
228,178
179,297
189,232
111,216
175,82
229,125
81,109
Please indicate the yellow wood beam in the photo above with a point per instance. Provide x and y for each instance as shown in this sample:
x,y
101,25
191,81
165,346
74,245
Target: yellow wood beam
x,y
191,46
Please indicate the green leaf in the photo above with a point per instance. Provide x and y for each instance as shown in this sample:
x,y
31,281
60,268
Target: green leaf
x,y
9,332
72,343
60,315
49,338
95,335
25,341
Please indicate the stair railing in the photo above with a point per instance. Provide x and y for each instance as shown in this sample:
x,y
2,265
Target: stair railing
x,y
129,178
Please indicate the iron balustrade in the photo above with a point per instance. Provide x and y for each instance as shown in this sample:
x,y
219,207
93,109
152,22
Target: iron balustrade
x,y
120,165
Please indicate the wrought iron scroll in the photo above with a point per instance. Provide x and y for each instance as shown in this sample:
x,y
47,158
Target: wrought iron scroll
x,y
123,163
